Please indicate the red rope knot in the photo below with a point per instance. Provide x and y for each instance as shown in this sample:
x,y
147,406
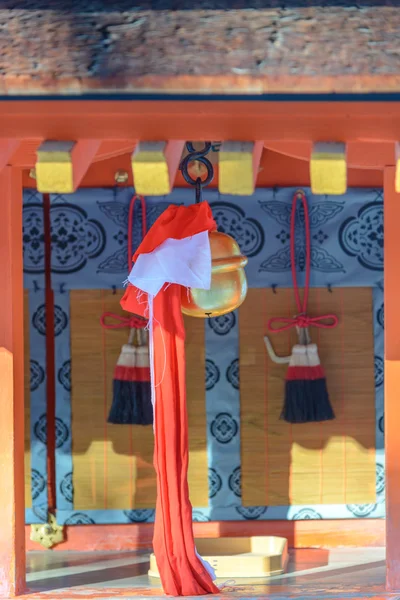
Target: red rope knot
x,y
303,322
118,321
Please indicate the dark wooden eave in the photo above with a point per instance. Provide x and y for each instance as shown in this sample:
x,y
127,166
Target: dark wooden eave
x,y
201,47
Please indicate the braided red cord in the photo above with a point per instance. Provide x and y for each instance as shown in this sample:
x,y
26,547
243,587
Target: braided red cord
x,y
130,224
301,320
120,321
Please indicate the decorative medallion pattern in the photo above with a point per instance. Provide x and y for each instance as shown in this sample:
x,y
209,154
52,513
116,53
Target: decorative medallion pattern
x,y
232,373
251,513
235,482
141,515
39,320
61,430
224,428
305,514
118,212
38,483
223,324
37,375
79,518
379,371
361,510
33,238
64,375
67,488
199,517
362,236
74,238
380,316
248,233
321,212
381,424
214,483
212,374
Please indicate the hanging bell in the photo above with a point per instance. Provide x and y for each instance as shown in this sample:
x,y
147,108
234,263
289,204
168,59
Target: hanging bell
x,y
228,281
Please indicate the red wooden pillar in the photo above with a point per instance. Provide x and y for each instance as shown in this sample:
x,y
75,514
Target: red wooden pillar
x,y
12,500
392,378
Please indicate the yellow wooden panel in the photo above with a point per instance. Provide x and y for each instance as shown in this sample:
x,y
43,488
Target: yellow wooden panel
x,y
328,168
113,464
316,463
27,402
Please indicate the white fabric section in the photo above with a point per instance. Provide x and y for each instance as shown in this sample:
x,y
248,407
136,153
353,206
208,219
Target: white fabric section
x,y
304,356
186,262
312,354
207,566
127,358
142,356
151,356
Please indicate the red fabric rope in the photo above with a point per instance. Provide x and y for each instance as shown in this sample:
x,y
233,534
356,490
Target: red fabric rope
x,y
130,225
119,321
301,319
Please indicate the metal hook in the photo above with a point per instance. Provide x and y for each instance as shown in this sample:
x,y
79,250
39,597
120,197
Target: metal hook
x,y
199,156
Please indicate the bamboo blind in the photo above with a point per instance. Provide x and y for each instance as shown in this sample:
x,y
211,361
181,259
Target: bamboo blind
x,y
112,464
317,463
27,402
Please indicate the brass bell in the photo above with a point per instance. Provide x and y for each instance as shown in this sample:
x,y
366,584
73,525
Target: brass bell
x,y
228,281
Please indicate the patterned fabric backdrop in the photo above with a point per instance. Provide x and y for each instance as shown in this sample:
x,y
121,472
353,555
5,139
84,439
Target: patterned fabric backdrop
x,y
89,251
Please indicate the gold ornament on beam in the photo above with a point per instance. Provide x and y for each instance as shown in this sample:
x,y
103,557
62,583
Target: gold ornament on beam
x,y
47,534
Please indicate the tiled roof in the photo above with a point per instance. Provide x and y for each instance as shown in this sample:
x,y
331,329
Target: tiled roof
x,y
78,47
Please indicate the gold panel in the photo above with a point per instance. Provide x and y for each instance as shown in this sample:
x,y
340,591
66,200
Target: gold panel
x,y
113,464
316,463
27,402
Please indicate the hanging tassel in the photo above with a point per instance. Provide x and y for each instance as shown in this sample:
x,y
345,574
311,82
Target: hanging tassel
x,y
131,403
306,394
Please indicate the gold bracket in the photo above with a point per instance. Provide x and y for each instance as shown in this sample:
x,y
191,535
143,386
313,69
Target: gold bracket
x,y
47,534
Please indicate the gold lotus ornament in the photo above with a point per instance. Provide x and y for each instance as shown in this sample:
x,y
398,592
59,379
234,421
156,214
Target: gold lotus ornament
x,y
228,281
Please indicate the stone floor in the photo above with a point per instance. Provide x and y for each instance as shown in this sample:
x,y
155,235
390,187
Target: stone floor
x,y
311,574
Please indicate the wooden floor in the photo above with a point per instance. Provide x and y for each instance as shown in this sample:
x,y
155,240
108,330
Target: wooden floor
x,y
312,574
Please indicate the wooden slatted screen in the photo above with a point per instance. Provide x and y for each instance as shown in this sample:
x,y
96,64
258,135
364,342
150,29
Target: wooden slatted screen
x,y
112,464
317,463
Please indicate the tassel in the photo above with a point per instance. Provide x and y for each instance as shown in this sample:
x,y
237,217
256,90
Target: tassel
x,y
306,393
131,403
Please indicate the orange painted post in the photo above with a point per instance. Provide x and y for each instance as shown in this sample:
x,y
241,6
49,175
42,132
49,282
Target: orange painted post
x,y
392,378
12,501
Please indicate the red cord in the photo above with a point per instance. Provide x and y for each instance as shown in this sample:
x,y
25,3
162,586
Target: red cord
x,y
130,224
119,321
301,320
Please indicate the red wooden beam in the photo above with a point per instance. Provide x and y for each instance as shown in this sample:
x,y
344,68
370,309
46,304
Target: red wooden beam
x,y
392,379
12,497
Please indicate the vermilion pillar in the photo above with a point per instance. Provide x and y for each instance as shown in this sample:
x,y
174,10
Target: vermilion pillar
x,y
12,501
392,378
